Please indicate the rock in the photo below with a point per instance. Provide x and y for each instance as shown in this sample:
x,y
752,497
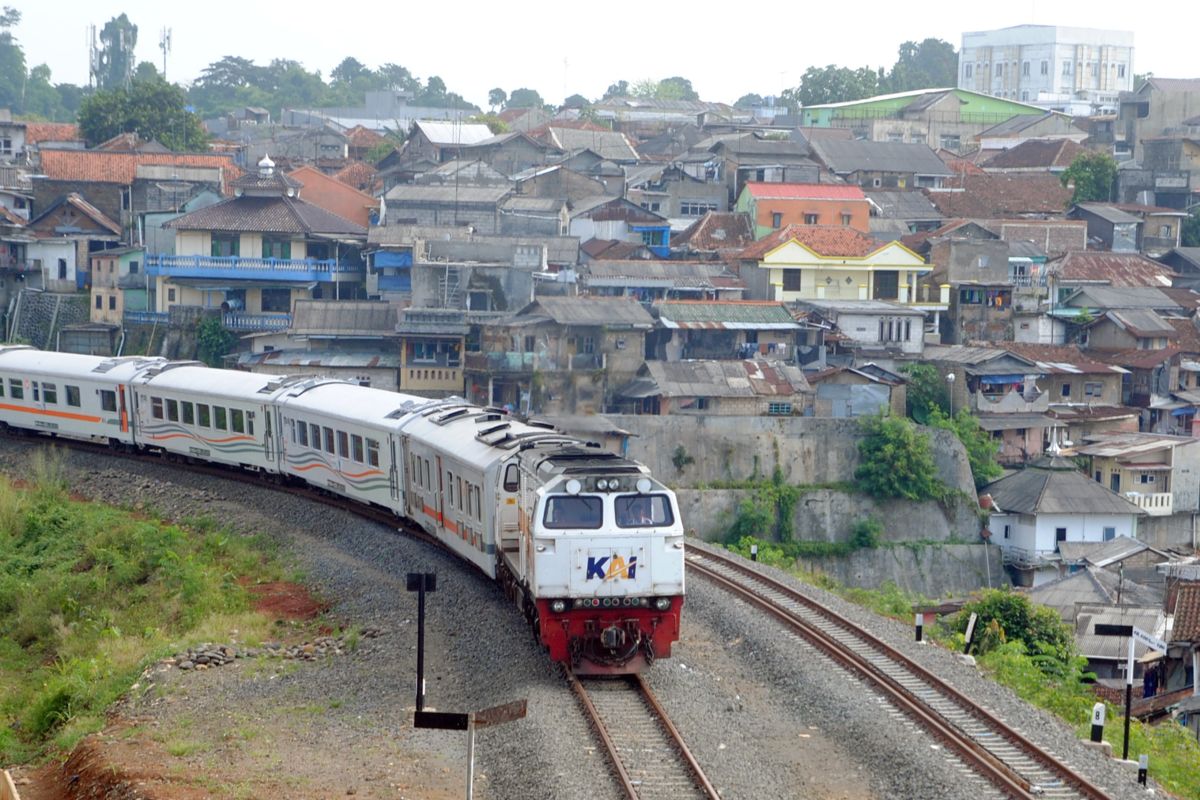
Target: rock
x,y
185,664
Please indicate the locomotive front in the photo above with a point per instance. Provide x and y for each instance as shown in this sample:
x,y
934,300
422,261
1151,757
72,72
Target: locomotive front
x,y
607,565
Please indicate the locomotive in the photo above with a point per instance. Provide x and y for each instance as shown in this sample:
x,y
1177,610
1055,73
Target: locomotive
x,y
588,544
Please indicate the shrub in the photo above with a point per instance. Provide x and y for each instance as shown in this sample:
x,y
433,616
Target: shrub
x,y
866,533
1017,618
896,460
981,447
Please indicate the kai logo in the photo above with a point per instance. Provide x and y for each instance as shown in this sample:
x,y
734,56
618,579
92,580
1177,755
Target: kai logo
x,y
611,568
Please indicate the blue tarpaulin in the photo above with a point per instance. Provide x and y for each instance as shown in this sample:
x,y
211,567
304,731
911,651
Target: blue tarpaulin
x,y
1183,412
994,379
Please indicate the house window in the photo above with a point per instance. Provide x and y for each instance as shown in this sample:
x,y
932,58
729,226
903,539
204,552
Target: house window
x,y
1024,96
791,280
1110,533
589,345
1146,477
1025,69
530,344
1099,477
970,297
779,409
171,294
1093,389
1060,534
695,208
999,68
277,300
1007,529
225,245
134,267
1096,69
62,269
967,70
99,302
951,142
1045,67
846,220
112,302
1066,390
1164,231
776,219
1066,68
810,219
1120,70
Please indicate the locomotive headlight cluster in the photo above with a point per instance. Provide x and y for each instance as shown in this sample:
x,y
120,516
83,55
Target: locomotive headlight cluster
x,y
608,484
658,603
558,606
662,603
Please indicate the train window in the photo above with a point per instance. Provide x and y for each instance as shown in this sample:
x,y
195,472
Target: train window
x,y
314,435
15,390
50,393
450,488
343,442
237,420
642,510
511,478
156,407
573,511
34,386
1,387
108,400
203,415
470,500
373,452
428,483
172,410
189,413
458,488
250,422
356,448
219,418
302,433
328,440
73,396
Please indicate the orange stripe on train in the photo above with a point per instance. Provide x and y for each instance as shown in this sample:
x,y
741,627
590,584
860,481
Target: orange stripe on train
x,y
47,413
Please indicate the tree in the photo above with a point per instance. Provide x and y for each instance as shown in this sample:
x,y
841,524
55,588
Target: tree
x,y
1189,235
524,98
1019,618
980,445
118,37
12,62
896,460
618,89
153,109
932,63
676,88
348,72
146,71
42,98
832,84
496,125
926,392
1094,176
576,101
497,98
748,101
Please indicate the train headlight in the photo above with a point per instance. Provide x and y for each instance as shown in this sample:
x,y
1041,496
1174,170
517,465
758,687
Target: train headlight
x,y
602,484
643,485
574,486
558,606
662,603
614,484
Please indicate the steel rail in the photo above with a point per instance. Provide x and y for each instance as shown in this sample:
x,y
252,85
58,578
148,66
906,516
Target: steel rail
x,y
1000,773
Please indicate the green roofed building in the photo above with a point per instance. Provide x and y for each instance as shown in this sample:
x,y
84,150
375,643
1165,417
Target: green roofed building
x,y
947,119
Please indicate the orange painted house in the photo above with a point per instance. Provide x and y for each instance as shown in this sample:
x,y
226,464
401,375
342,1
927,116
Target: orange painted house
x,y
334,196
772,206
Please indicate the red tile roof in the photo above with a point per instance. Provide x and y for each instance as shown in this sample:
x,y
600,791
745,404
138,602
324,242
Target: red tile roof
x,y
1037,153
96,166
716,231
36,132
996,196
804,191
1187,613
825,240
1058,354
359,174
1139,359
358,136
1117,269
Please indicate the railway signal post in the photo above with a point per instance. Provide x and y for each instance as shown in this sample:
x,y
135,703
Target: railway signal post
x,y
421,582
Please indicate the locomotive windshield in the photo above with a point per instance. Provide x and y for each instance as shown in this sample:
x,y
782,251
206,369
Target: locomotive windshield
x,y
573,511
643,510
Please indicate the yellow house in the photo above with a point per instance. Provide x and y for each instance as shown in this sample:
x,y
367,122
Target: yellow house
x,y
817,262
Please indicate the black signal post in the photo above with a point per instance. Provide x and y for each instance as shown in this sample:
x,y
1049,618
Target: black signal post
x,y
421,582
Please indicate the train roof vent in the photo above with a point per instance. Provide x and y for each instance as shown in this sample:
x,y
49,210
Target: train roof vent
x,y
487,417
452,414
494,428
541,423
109,364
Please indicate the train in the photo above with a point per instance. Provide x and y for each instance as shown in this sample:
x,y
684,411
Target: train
x,y
588,544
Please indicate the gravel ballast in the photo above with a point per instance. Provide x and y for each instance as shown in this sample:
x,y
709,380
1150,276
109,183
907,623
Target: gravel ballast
x,y
765,714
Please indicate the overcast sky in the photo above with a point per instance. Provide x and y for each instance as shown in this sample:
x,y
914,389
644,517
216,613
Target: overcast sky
x,y
563,48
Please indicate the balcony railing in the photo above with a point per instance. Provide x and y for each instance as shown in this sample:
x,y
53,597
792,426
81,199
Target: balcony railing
x,y
1156,504
238,321
225,267
529,362
146,318
1030,281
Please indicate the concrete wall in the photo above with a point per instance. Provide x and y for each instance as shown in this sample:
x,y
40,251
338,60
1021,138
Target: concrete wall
x,y
1175,530
931,570
808,450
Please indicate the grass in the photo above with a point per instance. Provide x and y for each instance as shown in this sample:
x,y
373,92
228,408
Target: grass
x,y
90,595
1172,748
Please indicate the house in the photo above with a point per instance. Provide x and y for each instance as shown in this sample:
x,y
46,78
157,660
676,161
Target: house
x,y
1184,605
1111,227
432,348
1085,584
1156,108
856,392
939,118
673,192
1002,196
895,214
1036,156
714,237
16,191
63,238
119,283
1157,472
1049,502
623,220
560,355
1184,262
336,197
985,284
772,206
759,387
1130,329
1166,174
1124,558
872,329
1108,656
691,329
477,207
649,281
255,254
439,142
1160,230
740,158
1097,270
882,165
559,182
814,262
607,144
511,152
1050,130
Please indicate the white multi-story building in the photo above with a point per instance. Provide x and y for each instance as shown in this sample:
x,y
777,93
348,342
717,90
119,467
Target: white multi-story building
x,y
1079,71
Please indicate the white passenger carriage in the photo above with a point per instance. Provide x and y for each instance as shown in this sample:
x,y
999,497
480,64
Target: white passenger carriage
x,y
66,394
340,437
210,414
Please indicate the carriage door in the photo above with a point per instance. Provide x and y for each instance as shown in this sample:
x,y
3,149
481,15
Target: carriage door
x,y
393,477
509,522
441,493
122,408
268,435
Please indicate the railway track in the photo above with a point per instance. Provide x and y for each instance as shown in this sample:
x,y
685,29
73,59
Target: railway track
x,y
991,748
648,754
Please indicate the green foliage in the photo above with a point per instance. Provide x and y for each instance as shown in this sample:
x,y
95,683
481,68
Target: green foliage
x,y
928,64
118,38
524,98
577,101
831,84
88,596
493,121
681,459
866,534
926,392
213,341
497,98
1018,618
1094,176
1189,235
748,101
980,445
769,512
896,460
153,109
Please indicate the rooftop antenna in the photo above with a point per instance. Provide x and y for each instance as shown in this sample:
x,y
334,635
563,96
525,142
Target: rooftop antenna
x,y
164,44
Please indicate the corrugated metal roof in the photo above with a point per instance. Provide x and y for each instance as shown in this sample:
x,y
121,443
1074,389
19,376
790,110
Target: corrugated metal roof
x,y
605,312
1055,486
343,318
1090,586
424,193
1109,213
754,378
454,133
321,358
1114,648
1124,445
1143,322
861,155
731,315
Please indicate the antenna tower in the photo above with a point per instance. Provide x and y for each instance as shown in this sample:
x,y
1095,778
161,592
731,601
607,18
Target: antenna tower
x,y
164,44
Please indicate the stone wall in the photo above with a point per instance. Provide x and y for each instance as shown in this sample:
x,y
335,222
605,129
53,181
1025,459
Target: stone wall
x,y
41,315
934,571
808,450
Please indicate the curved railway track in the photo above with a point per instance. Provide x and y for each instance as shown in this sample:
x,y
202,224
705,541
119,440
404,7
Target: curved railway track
x,y
1015,766
647,753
